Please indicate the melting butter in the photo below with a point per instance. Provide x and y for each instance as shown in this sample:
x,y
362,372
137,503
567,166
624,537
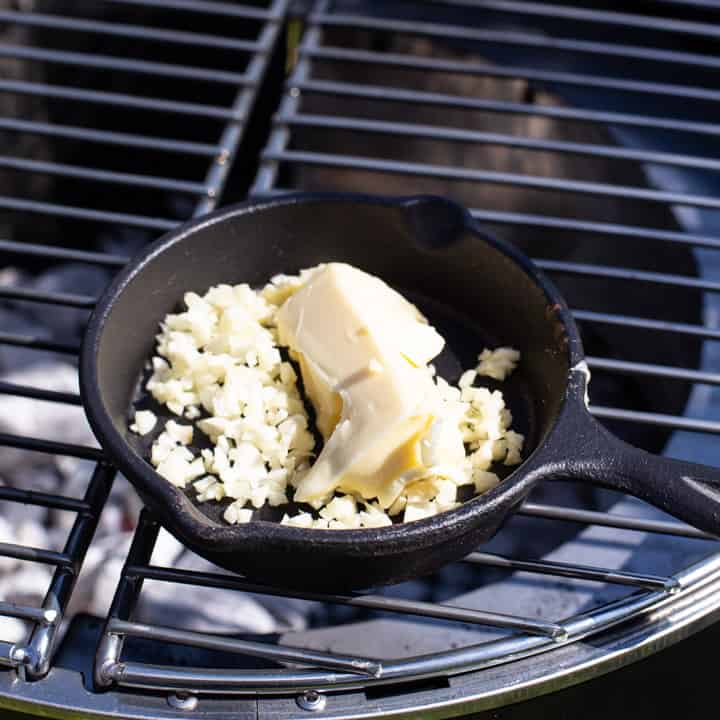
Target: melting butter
x,y
363,351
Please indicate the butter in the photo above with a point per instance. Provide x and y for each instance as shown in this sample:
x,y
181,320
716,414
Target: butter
x,y
362,350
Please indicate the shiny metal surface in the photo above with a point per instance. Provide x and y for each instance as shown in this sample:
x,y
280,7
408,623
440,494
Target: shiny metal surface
x,y
654,624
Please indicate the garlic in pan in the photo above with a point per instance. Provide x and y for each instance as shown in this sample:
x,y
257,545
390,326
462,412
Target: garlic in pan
x,y
398,441
145,422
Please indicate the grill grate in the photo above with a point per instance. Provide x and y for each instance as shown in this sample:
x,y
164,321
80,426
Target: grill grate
x,y
33,659
303,146
360,83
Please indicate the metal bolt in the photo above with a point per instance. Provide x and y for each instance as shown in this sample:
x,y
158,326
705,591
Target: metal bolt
x,y
19,655
312,701
182,701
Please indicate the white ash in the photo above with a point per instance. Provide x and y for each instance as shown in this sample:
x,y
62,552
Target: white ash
x,y
25,582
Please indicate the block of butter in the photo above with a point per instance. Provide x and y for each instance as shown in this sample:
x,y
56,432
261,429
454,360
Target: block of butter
x,y
363,352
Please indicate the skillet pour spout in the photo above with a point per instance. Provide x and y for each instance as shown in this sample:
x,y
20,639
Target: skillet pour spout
x,y
476,290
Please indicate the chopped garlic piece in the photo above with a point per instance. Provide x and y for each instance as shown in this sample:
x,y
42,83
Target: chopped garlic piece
x,y
182,434
302,520
192,412
340,508
499,363
176,468
235,513
374,520
484,480
419,511
514,446
145,421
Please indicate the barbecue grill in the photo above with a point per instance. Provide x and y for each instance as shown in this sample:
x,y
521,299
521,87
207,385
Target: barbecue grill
x,y
582,134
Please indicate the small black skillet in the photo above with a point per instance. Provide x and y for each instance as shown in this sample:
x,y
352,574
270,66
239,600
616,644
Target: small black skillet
x,y
476,290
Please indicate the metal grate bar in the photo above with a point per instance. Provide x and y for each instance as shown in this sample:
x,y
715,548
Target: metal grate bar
x,y
40,555
361,666
625,274
225,9
575,572
662,371
647,324
672,421
568,570
559,223
41,296
38,343
485,176
8,657
563,12
126,595
121,64
373,602
593,517
435,132
99,175
44,636
230,139
110,137
596,228
412,97
33,659
23,612
443,663
410,62
31,497
54,252
87,302
136,32
704,4
50,446
34,393
104,216
118,99
523,39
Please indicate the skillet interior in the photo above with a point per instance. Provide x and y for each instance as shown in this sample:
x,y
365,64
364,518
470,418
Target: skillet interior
x,y
470,290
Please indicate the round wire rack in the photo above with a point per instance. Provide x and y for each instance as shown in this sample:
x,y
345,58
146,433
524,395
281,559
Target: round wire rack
x,y
447,97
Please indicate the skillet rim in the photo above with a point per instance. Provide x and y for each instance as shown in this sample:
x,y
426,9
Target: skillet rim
x,y
175,509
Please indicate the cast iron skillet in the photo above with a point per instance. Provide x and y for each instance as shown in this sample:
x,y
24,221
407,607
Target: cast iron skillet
x,y
476,290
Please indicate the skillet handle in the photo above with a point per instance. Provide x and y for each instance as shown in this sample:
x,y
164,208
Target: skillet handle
x,y
689,491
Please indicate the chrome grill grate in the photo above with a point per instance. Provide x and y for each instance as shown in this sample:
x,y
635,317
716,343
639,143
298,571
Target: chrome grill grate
x,y
223,127
356,100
